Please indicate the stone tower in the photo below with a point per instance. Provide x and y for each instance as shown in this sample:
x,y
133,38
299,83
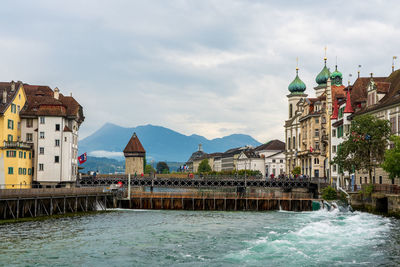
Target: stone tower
x,y
134,156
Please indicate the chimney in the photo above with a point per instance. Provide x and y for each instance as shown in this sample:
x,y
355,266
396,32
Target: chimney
x,y
12,86
56,93
4,96
200,147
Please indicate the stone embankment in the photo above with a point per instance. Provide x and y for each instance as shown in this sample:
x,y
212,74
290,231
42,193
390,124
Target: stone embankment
x,y
377,202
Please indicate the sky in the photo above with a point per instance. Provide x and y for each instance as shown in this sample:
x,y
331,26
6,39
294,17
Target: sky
x,y
207,67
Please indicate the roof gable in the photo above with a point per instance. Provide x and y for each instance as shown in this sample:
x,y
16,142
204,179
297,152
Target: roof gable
x,y
134,145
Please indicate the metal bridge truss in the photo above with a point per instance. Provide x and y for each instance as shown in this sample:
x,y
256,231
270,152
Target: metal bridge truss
x,y
196,183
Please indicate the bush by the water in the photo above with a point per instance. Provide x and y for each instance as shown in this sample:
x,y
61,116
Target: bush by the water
x,y
329,193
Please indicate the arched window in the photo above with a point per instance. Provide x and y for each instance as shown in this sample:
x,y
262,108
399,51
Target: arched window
x,y
290,111
288,143
294,142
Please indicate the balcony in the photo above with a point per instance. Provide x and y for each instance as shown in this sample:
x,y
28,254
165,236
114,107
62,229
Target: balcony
x,y
16,145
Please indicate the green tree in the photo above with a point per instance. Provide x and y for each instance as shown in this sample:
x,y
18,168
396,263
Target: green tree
x,y
364,145
162,167
204,166
391,163
329,193
149,169
296,170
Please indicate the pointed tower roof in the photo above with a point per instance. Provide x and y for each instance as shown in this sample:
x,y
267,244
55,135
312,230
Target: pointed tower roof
x,y
134,145
335,110
297,86
324,75
348,108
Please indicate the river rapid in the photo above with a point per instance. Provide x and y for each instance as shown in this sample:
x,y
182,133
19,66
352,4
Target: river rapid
x,y
197,238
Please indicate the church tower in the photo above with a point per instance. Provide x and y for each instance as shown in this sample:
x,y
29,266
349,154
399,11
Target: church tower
x,y
292,126
134,156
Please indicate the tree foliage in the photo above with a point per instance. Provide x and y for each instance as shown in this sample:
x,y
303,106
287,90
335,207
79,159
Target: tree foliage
x,y
364,145
162,167
149,169
329,193
391,163
296,170
204,166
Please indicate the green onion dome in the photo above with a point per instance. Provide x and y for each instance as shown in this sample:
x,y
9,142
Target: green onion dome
x,y
323,76
336,77
297,86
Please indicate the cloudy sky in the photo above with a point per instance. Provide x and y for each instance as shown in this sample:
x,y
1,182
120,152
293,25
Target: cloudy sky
x,y
207,67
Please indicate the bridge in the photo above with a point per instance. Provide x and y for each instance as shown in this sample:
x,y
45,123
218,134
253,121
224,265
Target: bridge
x,y
196,182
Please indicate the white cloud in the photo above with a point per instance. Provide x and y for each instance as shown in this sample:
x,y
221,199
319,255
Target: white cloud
x,y
106,154
212,67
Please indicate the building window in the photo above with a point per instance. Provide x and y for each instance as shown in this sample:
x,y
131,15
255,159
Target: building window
x,y
20,154
393,124
290,111
340,131
373,179
317,145
41,150
333,133
41,166
24,171
281,161
10,137
380,179
316,132
24,155
41,135
30,155
360,180
57,127
57,142
29,123
365,180
10,124
13,108
65,139
11,154
10,170
316,120
19,171
294,142
289,143
29,137
334,167
334,149
18,108
42,120
56,159
29,171
273,161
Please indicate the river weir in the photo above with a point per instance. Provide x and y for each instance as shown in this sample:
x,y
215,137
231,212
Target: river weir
x,y
127,237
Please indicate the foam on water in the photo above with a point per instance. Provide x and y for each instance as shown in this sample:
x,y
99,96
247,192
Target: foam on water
x,y
204,238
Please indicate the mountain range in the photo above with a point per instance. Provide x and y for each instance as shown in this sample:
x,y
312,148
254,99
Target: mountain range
x,y
160,143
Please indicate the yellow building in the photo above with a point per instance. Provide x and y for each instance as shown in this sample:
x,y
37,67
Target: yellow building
x,y
15,155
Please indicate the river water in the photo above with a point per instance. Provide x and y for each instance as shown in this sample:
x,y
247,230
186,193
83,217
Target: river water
x,y
186,238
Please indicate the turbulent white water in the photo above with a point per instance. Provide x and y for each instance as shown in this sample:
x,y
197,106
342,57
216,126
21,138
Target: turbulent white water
x,y
196,238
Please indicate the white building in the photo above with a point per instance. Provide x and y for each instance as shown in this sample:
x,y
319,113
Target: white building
x,y
51,122
248,160
275,164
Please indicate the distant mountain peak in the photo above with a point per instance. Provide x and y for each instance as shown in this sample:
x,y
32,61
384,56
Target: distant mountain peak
x,y
159,142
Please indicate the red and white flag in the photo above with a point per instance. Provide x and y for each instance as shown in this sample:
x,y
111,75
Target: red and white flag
x,y
82,158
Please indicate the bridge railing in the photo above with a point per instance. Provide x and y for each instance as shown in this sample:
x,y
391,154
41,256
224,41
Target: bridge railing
x,y
39,192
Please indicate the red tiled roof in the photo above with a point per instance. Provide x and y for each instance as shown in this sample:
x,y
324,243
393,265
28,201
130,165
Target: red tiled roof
x,y
41,101
348,108
10,95
134,145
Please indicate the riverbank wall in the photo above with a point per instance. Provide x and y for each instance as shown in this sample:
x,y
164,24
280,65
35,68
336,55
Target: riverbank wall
x,y
217,202
380,203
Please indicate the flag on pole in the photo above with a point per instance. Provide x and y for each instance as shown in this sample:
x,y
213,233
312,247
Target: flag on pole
x,y
311,149
82,158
